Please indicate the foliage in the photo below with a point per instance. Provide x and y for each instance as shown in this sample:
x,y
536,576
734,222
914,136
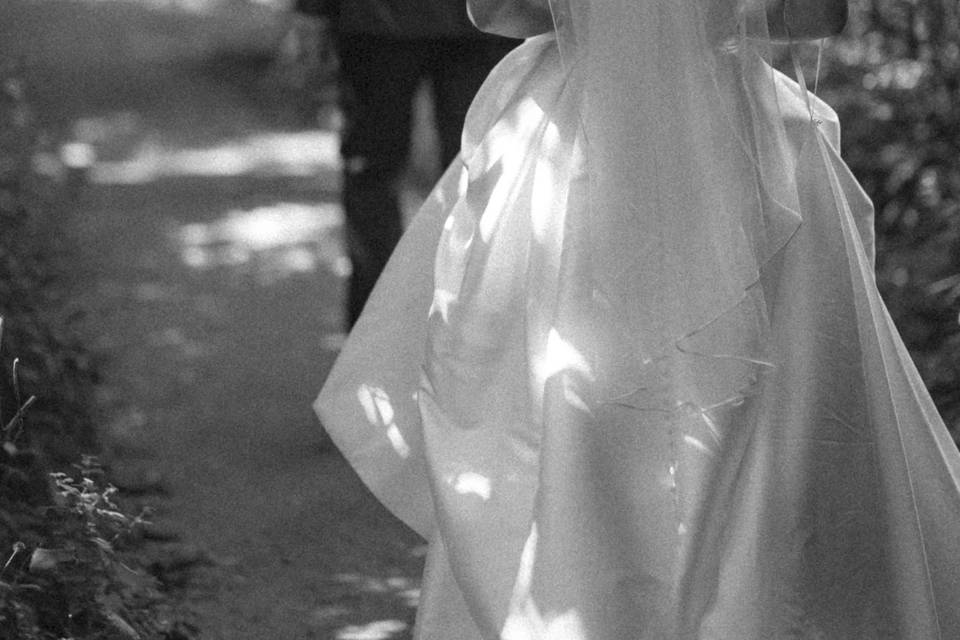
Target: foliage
x,y
43,329
70,571
68,566
70,575
894,79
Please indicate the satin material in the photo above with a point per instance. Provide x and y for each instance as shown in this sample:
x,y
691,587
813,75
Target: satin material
x,y
587,467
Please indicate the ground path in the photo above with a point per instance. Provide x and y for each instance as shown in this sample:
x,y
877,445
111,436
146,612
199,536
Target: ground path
x,y
208,257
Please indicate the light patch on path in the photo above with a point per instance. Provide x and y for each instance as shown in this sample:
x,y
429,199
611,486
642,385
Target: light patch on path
x,y
278,240
262,154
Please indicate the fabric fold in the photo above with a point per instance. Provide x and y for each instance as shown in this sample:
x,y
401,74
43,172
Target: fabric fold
x,y
629,372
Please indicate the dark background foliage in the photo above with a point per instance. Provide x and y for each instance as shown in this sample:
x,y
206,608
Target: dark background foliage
x,y
894,79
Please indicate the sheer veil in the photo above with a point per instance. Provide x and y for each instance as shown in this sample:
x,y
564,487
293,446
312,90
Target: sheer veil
x,y
720,218
691,189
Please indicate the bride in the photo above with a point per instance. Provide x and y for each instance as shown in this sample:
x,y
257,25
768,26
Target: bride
x,y
628,372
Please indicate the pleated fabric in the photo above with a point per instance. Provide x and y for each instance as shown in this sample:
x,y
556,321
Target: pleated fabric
x,y
628,371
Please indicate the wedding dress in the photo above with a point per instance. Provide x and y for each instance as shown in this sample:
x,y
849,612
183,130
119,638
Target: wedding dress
x,y
628,371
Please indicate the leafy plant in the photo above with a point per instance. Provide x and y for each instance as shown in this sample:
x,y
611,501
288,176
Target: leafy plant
x,y
69,567
71,570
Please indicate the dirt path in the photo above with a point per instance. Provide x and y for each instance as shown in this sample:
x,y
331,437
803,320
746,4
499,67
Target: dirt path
x,y
211,274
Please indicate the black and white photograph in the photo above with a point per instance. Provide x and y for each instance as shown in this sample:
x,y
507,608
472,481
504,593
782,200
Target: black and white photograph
x,y
479,320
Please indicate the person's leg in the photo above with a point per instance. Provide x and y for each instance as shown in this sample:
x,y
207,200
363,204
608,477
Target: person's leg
x,y
458,66
379,78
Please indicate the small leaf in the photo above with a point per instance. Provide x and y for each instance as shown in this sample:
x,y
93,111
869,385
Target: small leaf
x,y
17,548
43,560
29,587
103,544
133,579
18,417
122,626
116,515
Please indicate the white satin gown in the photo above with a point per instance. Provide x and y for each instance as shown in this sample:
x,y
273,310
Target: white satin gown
x,y
635,399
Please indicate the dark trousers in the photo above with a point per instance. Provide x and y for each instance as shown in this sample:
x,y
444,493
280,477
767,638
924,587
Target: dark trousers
x,y
380,76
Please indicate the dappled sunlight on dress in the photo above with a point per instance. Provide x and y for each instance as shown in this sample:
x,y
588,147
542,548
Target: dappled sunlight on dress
x,y
681,415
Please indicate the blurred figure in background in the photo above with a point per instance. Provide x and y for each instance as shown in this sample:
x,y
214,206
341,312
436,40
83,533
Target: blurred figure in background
x,y
386,48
